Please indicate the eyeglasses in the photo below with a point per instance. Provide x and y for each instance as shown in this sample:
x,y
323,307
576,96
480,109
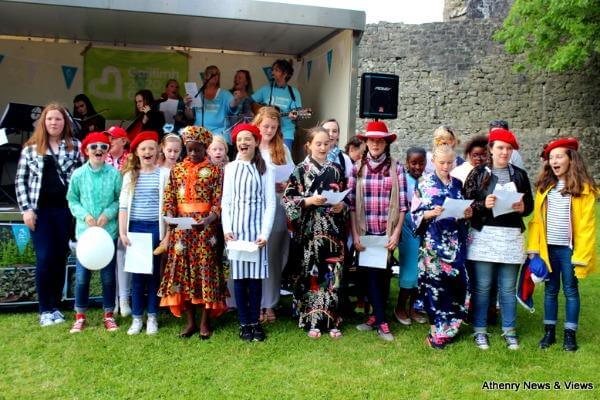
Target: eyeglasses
x,y
94,146
483,156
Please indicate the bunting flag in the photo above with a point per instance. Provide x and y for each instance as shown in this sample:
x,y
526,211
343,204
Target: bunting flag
x,y
1,58
22,236
202,76
69,74
308,68
267,71
329,60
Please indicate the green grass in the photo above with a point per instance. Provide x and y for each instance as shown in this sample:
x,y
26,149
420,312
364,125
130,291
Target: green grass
x,y
51,363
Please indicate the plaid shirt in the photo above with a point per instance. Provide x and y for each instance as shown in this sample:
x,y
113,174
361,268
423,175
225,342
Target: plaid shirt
x,y
28,181
376,194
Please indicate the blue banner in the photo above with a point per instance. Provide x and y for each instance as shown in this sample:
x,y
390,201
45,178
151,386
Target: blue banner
x,y
22,236
267,71
1,58
329,60
69,75
308,68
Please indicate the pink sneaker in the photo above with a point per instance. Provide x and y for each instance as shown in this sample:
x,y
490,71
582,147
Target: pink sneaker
x,y
79,323
109,322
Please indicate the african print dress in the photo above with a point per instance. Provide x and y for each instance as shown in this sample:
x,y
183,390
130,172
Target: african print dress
x,y
319,234
442,275
194,272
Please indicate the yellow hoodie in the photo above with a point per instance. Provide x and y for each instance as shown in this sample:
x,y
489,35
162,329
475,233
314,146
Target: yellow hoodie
x,y
583,230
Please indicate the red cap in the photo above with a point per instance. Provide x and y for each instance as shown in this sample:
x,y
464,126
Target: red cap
x,y
569,143
140,137
377,130
253,129
94,137
504,136
116,132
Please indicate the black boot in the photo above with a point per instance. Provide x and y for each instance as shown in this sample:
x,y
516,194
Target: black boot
x,y
549,336
258,334
246,332
570,343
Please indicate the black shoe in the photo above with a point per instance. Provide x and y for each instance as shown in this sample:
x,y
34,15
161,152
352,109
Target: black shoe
x,y
246,332
570,343
259,334
549,336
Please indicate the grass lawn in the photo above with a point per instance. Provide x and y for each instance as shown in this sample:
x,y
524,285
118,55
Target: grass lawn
x,y
44,363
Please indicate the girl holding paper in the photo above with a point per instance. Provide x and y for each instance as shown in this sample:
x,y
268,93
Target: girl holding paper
x,y
378,204
194,276
443,279
140,205
498,244
320,231
248,213
563,233
276,155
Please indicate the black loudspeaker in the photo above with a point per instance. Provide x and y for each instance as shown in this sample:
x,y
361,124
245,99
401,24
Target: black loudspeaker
x,y
378,96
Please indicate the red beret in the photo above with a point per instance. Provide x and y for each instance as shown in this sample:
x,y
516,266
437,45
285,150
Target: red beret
x,y
569,143
253,129
140,137
94,137
116,132
377,130
504,136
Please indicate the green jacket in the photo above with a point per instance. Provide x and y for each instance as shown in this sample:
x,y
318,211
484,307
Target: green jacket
x,y
95,192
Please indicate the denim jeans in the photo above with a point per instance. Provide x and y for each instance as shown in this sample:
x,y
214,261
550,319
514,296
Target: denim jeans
x,y
507,280
560,261
248,293
82,286
144,287
51,243
378,281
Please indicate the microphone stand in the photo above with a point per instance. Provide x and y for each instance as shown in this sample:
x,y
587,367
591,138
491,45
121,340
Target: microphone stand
x,y
201,90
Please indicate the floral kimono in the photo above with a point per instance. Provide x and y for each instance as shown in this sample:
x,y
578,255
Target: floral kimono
x,y
442,274
319,234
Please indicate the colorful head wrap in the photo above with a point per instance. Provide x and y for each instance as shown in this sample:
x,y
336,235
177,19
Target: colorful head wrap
x,y
196,134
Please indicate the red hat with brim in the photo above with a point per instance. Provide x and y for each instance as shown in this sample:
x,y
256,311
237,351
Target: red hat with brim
x,y
145,135
569,143
116,132
94,137
504,136
377,130
246,127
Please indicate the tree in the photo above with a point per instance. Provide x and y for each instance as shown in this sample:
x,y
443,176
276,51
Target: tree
x,y
555,35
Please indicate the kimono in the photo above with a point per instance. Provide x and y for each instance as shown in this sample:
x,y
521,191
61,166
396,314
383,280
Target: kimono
x,y
319,234
443,280
194,272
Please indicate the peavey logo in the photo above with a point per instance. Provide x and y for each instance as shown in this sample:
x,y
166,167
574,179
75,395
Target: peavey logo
x,y
382,88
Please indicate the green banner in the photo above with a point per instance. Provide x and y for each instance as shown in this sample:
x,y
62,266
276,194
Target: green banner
x,y
112,77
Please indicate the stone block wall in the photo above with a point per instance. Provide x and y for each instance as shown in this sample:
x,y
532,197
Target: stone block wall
x,y
453,73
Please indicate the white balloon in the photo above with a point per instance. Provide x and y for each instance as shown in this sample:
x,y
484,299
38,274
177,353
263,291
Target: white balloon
x,y
95,248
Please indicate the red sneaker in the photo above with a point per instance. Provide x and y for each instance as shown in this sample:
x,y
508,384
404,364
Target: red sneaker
x,y
79,323
109,322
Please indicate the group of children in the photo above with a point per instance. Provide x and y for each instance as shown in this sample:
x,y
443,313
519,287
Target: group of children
x,y
448,264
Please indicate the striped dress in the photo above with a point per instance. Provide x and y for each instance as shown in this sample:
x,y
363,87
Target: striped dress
x,y
248,211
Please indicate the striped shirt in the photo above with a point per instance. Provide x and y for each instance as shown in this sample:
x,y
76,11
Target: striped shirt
x,y
558,217
144,206
503,175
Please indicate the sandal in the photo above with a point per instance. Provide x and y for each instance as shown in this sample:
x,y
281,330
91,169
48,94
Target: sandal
x,y
270,315
263,316
335,333
314,333
417,317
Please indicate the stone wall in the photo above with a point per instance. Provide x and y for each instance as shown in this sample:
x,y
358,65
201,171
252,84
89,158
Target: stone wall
x,y
453,73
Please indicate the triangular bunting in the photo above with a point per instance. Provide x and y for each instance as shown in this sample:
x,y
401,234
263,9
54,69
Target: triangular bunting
x,y
69,75
329,60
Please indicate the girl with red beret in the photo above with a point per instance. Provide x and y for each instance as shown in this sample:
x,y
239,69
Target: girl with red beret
x,y
498,244
140,210
563,233
248,213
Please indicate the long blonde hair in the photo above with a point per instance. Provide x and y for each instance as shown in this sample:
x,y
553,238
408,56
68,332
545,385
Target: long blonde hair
x,y
276,146
40,134
133,165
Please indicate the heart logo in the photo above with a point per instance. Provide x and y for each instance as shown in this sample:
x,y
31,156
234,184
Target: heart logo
x,y
109,86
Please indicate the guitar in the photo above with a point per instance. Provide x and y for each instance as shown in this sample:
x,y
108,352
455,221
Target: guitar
x,y
300,113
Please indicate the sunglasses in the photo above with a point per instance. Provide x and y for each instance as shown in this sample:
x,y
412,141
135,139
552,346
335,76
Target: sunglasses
x,y
94,146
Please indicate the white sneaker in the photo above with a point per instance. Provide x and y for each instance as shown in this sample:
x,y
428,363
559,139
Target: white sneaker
x,y
151,325
136,327
46,319
58,317
124,308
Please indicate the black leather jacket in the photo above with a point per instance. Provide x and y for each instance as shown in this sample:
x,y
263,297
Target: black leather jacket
x,y
481,182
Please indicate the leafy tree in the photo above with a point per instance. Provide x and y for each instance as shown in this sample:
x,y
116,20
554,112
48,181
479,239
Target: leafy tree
x,y
555,35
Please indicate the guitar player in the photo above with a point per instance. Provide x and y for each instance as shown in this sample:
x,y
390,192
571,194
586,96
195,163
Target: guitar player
x,y
286,97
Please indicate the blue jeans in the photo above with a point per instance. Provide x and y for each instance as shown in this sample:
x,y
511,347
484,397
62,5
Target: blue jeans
x,y
378,281
82,286
51,244
144,287
248,293
507,280
560,261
